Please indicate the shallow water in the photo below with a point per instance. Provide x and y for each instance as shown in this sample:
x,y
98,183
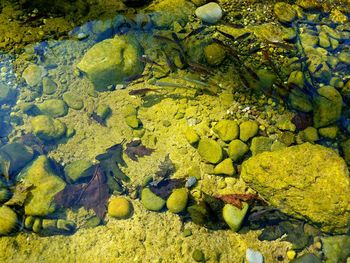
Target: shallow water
x,y
145,134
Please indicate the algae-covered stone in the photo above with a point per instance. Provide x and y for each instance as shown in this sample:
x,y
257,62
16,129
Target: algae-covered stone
x,y
5,194
261,144
46,184
285,12
119,207
299,172
191,136
47,128
111,61
296,78
247,130
132,121
327,106
309,134
214,54
299,101
33,75
307,258
227,130
177,201
234,216
336,248
346,150
198,255
49,86
344,57
328,132
151,201
237,149
210,150
225,167
103,111
198,213
53,108
277,145
309,4
79,170
73,101
8,220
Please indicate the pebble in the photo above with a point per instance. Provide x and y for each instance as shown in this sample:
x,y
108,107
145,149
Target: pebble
x,y
210,13
119,207
177,201
210,150
8,220
225,168
198,255
151,201
234,216
191,181
254,256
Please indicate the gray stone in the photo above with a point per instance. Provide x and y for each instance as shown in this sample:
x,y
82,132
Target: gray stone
x,y
209,13
5,92
33,75
49,86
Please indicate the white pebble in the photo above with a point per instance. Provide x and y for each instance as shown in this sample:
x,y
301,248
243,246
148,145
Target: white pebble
x,y
210,13
253,256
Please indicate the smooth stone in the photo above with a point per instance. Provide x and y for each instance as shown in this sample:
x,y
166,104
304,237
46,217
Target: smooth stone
x,y
296,78
46,185
73,101
299,172
277,145
132,121
324,40
198,255
300,101
47,128
209,13
112,61
254,256
8,220
53,107
151,201
322,75
309,4
336,82
234,216
214,54
78,170
227,130
309,134
247,130
33,75
225,168
236,150
327,106
119,207
285,12
210,150
5,92
191,136
329,132
49,86
177,201
260,144
344,57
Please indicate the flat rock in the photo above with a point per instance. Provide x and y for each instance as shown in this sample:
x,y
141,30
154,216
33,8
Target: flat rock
x,y
309,182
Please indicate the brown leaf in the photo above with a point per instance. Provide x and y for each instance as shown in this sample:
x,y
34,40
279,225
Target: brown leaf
x,y
237,199
135,149
165,188
93,195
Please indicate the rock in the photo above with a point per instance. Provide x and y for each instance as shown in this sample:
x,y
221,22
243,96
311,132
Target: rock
x,y
198,213
260,144
18,155
309,134
344,57
46,184
209,13
151,201
307,258
78,171
227,130
285,12
336,248
73,101
132,121
225,168
247,130
299,172
285,123
49,86
191,136
324,40
322,74
177,201
5,195
299,101
253,256
277,145
112,61
234,216
308,40
210,150
328,132
198,255
135,3
8,220
296,78
345,145
119,207
54,108
103,111
309,4
236,150
47,128
214,54
338,16
336,82
33,75
327,106
191,181
5,92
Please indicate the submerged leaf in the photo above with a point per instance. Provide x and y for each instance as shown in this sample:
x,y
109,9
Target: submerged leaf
x,y
237,199
166,169
166,187
135,149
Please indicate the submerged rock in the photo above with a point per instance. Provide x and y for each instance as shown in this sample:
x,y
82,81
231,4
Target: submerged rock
x,y
177,201
214,54
225,168
151,201
247,130
49,86
234,216
119,207
227,130
285,12
8,220
5,92
336,248
79,170
308,181
73,101
53,107
112,61
46,185
47,128
237,149
210,150
209,13
33,75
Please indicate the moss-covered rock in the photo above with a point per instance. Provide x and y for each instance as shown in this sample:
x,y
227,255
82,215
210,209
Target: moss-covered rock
x,y
227,130
73,101
285,12
53,107
336,248
234,216
33,75
47,128
299,101
119,207
177,201
314,178
112,61
309,134
46,184
247,130
214,54
225,167
210,150
191,136
327,106
237,149
5,194
261,144
78,171
151,201
103,111
329,132
8,220
132,121
345,145
49,86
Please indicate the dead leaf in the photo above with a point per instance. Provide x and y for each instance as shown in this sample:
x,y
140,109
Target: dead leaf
x,y
135,149
166,187
237,199
20,194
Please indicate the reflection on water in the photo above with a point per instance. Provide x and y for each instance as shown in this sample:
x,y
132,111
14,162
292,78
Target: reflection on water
x,y
191,122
